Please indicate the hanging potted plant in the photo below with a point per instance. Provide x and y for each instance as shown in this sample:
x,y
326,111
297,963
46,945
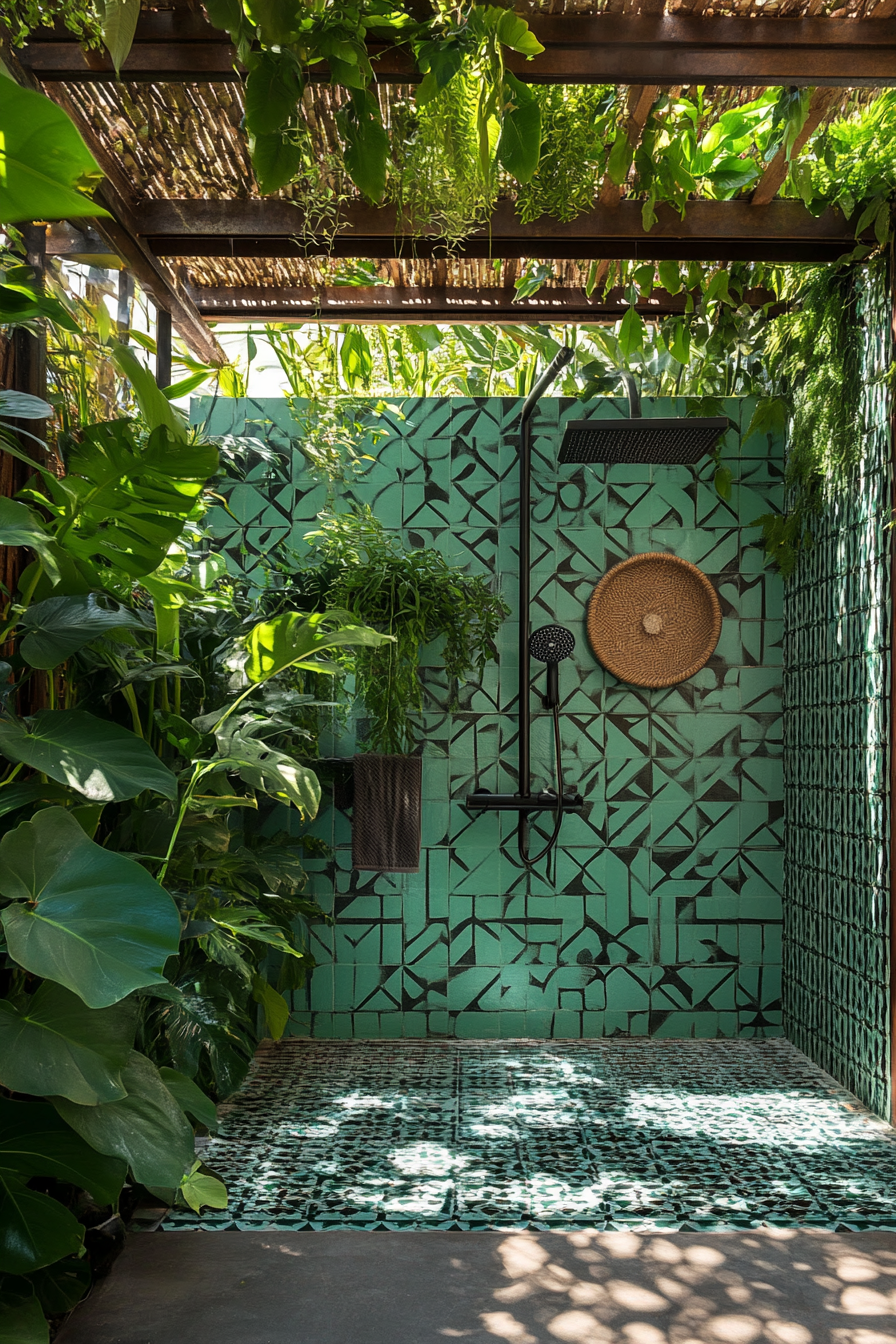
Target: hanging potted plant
x,y
415,596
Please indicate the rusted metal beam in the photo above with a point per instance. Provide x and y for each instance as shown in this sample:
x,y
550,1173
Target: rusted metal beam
x,y
711,231
389,304
610,48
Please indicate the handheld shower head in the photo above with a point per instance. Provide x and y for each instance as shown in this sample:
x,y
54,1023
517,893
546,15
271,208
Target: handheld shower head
x,y
551,644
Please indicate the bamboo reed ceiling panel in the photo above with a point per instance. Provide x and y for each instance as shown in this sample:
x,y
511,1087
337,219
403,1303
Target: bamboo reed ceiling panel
x,y
184,140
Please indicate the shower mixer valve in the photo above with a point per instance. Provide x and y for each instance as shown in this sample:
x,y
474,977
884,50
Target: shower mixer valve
x,y
550,645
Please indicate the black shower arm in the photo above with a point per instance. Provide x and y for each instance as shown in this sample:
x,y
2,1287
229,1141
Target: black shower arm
x,y
634,396
562,358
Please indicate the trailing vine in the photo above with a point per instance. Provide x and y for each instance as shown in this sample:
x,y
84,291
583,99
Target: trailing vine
x,y
576,120
437,177
415,596
817,350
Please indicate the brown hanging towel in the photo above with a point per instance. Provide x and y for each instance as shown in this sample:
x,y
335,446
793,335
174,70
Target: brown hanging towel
x,y
386,819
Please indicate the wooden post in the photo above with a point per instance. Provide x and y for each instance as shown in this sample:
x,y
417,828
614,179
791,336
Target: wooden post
x,y
891,950
24,370
163,347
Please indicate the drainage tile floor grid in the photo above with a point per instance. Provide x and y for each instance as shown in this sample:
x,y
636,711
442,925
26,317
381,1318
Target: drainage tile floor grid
x,y
611,1134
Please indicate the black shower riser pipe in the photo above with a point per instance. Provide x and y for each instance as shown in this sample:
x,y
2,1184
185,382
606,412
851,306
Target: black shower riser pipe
x,y
524,798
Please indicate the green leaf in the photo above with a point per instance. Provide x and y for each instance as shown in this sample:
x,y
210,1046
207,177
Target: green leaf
x,y
35,1230
148,1129
631,333
620,160
273,772
155,406
515,33
519,148
355,357
100,759
277,20
273,89
294,639
24,1323
677,336
60,1287
21,526
35,1141
670,277
22,406
769,417
274,1006
190,1098
180,734
722,482
366,148
201,1190
276,160
43,160
125,499
51,1044
226,14
89,919
57,627
119,26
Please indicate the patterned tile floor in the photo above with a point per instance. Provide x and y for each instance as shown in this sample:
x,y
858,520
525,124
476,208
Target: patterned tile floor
x,y
637,1134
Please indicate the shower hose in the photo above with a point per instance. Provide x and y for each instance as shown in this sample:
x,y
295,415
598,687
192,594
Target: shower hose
x,y
529,861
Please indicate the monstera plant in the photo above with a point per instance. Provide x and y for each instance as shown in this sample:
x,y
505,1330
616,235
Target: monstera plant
x,y
138,916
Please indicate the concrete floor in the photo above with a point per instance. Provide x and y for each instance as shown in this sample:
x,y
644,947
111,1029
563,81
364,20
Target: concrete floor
x,y
579,1287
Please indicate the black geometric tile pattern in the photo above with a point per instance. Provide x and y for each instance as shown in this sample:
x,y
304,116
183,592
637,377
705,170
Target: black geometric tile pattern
x,y
612,1134
662,913
837,616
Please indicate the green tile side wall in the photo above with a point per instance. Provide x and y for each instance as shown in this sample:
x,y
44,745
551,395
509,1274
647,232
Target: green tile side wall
x,y
664,916
836,733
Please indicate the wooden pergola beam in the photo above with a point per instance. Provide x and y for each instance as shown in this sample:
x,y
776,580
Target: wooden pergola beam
x,y
609,48
772,179
122,233
436,304
710,230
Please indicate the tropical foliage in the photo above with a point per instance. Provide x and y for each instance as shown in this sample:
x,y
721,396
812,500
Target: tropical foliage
x,y
414,596
151,924
45,167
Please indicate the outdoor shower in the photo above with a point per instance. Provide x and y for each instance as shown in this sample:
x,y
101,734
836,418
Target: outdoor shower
x,y
657,442
524,801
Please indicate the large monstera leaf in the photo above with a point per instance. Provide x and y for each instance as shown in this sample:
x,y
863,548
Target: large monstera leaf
x,y
295,639
124,499
88,919
102,760
51,1044
35,1230
147,1129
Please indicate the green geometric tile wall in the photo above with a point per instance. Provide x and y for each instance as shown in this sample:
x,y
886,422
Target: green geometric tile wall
x,y
836,732
663,916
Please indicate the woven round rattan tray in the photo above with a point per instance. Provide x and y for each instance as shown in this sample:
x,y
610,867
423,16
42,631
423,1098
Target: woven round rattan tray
x,y
654,620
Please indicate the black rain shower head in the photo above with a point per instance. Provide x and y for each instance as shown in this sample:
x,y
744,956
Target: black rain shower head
x,y
552,643
658,442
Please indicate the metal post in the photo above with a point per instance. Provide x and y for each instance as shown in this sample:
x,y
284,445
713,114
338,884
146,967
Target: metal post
x,y
163,347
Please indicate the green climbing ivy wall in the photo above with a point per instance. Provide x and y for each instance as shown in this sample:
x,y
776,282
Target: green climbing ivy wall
x,y
836,720
664,914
